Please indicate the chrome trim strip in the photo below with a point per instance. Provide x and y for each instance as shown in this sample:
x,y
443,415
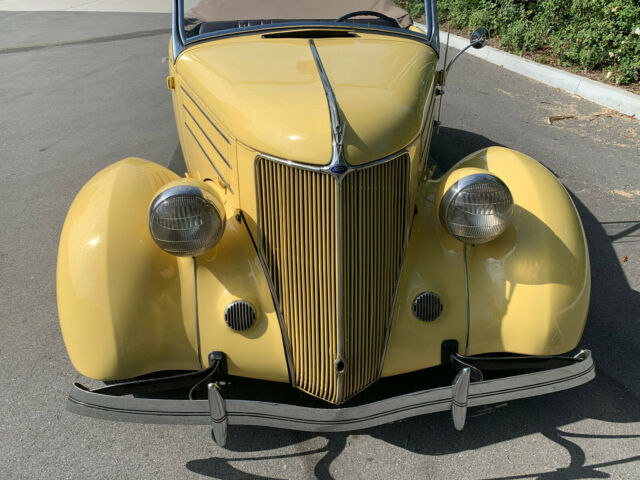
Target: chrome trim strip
x,y
208,158
338,168
274,297
197,315
395,292
248,412
205,114
466,290
340,360
324,168
425,143
207,136
337,130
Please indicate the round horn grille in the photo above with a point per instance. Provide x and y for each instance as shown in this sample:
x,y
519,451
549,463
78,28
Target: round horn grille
x,y
240,315
427,306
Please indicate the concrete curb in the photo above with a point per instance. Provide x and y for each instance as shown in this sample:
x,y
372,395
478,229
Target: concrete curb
x,y
600,93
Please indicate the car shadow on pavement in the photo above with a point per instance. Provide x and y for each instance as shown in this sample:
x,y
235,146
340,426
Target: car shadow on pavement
x,y
450,145
611,333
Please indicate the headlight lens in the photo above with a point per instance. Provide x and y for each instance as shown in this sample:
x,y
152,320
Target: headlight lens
x,y
184,222
477,208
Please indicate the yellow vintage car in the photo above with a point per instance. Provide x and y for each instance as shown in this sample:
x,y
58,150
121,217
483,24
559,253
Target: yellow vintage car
x,y
310,270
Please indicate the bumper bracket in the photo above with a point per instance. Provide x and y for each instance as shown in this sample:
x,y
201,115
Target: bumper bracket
x,y
219,420
460,397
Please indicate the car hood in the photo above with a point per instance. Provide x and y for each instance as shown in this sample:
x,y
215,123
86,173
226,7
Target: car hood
x,y
268,94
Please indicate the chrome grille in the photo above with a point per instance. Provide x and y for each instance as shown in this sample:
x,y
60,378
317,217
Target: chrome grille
x,y
299,211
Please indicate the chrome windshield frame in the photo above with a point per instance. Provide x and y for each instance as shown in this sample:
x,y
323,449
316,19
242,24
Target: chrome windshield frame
x,y
179,39
432,23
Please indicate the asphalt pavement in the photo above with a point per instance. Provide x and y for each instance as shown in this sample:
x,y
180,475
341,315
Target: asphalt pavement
x,y
79,91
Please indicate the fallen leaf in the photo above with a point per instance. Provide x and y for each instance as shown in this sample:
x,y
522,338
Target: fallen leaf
x,y
556,118
625,259
623,193
594,116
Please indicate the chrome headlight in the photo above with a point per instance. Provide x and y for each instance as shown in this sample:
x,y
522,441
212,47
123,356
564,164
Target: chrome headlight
x,y
477,208
185,221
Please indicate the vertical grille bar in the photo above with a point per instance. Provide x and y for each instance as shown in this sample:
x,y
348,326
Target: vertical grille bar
x,y
298,222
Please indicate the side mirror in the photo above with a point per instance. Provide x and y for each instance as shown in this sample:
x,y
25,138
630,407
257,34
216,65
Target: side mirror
x,y
479,37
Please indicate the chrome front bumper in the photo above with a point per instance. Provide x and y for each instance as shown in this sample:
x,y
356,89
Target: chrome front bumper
x,y
220,413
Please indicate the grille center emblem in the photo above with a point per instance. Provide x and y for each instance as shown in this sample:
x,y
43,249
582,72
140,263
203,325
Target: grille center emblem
x,y
338,169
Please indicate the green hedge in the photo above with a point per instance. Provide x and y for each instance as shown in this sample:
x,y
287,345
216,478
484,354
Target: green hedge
x,y
596,35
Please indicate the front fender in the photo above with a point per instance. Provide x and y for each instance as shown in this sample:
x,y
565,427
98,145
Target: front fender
x,y
127,308
119,295
529,288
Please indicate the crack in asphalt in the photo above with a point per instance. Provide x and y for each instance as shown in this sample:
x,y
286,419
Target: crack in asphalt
x,y
110,38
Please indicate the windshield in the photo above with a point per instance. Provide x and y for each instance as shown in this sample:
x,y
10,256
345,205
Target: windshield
x,y
195,20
